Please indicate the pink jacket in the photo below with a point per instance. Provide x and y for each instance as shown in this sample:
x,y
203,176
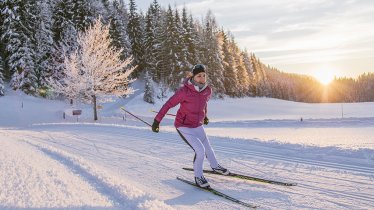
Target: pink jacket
x,y
193,108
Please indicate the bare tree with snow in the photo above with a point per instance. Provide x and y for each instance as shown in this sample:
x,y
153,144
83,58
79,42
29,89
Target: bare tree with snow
x,y
95,68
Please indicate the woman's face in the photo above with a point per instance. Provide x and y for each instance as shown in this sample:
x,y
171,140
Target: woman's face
x,y
200,78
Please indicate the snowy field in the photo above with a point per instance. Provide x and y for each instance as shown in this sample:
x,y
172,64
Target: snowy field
x,y
47,162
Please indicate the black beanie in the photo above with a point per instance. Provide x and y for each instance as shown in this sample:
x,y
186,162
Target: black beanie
x,y
197,69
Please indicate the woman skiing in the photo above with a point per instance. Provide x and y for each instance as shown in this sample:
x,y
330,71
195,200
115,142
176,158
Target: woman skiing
x,y
192,114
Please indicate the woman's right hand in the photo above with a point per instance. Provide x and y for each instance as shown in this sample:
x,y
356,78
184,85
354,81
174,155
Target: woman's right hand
x,y
156,126
206,121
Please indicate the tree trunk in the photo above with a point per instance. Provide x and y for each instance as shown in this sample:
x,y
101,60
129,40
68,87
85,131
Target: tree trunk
x,y
94,103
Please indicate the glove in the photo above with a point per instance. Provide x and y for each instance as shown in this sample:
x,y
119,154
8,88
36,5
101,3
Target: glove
x,y
155,126
206,121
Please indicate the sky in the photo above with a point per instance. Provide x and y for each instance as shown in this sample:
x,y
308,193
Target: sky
x,y
322,38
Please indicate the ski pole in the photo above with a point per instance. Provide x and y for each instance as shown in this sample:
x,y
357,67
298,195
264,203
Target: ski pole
x,y
135,116
166,114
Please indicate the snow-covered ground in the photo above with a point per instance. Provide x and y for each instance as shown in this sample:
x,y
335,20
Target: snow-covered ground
x,y
47,162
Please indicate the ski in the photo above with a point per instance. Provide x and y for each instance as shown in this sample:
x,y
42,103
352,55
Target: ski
x,y
215,192
240,176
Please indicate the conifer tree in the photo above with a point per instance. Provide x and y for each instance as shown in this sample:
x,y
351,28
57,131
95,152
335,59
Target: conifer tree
x,y
242,74
21,61
106,4
10,37
180,50
117,31
1,76
262,84
2,44
229,72
134,31
210,54
249,68
169,57
256,77
83,15
19,45
149,90
43,39
62,18
149,42
99,8
189,38
153,41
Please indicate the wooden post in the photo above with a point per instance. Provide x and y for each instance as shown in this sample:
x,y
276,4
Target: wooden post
x,y
95,109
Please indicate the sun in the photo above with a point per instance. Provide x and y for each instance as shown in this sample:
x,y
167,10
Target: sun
x,y
324,76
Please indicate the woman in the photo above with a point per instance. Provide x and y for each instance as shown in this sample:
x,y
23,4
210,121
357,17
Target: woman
x,y
193,97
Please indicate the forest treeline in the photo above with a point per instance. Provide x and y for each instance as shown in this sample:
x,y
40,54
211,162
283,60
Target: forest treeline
x,y
164,42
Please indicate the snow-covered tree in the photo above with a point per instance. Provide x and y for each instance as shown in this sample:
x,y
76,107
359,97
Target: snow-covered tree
x,y
242,74
135,33
189,37
1,76
24,77
97,66
153,39
82,14
167,63
17,40
181,49
118,28
262,83
229,64
106,4
99,8
2,49
70,85
171,49
62,18
43,38
64,47
210,54
149,42
1,86
149,95
249,68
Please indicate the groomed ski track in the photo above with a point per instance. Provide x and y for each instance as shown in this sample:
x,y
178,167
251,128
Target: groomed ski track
x,y
132,168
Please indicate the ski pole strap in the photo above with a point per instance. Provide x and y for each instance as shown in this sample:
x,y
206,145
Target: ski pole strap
x,y
136,116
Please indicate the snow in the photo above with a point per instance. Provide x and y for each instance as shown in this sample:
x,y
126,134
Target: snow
x,y
47,162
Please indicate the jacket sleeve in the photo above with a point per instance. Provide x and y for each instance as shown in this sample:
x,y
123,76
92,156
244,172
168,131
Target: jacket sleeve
x,y
172,102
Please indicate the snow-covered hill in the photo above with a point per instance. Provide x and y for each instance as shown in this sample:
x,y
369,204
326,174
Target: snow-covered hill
x,y
47,162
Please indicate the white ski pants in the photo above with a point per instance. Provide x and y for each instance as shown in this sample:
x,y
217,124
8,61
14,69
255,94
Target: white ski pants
x,y
197,139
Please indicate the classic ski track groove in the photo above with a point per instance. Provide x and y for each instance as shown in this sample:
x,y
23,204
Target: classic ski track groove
x,y
266,155
175,141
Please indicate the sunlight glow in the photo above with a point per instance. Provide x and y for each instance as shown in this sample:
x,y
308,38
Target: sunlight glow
x,y
324,76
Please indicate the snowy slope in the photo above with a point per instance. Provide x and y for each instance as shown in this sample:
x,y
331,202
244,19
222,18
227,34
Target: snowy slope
x,y
47,162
